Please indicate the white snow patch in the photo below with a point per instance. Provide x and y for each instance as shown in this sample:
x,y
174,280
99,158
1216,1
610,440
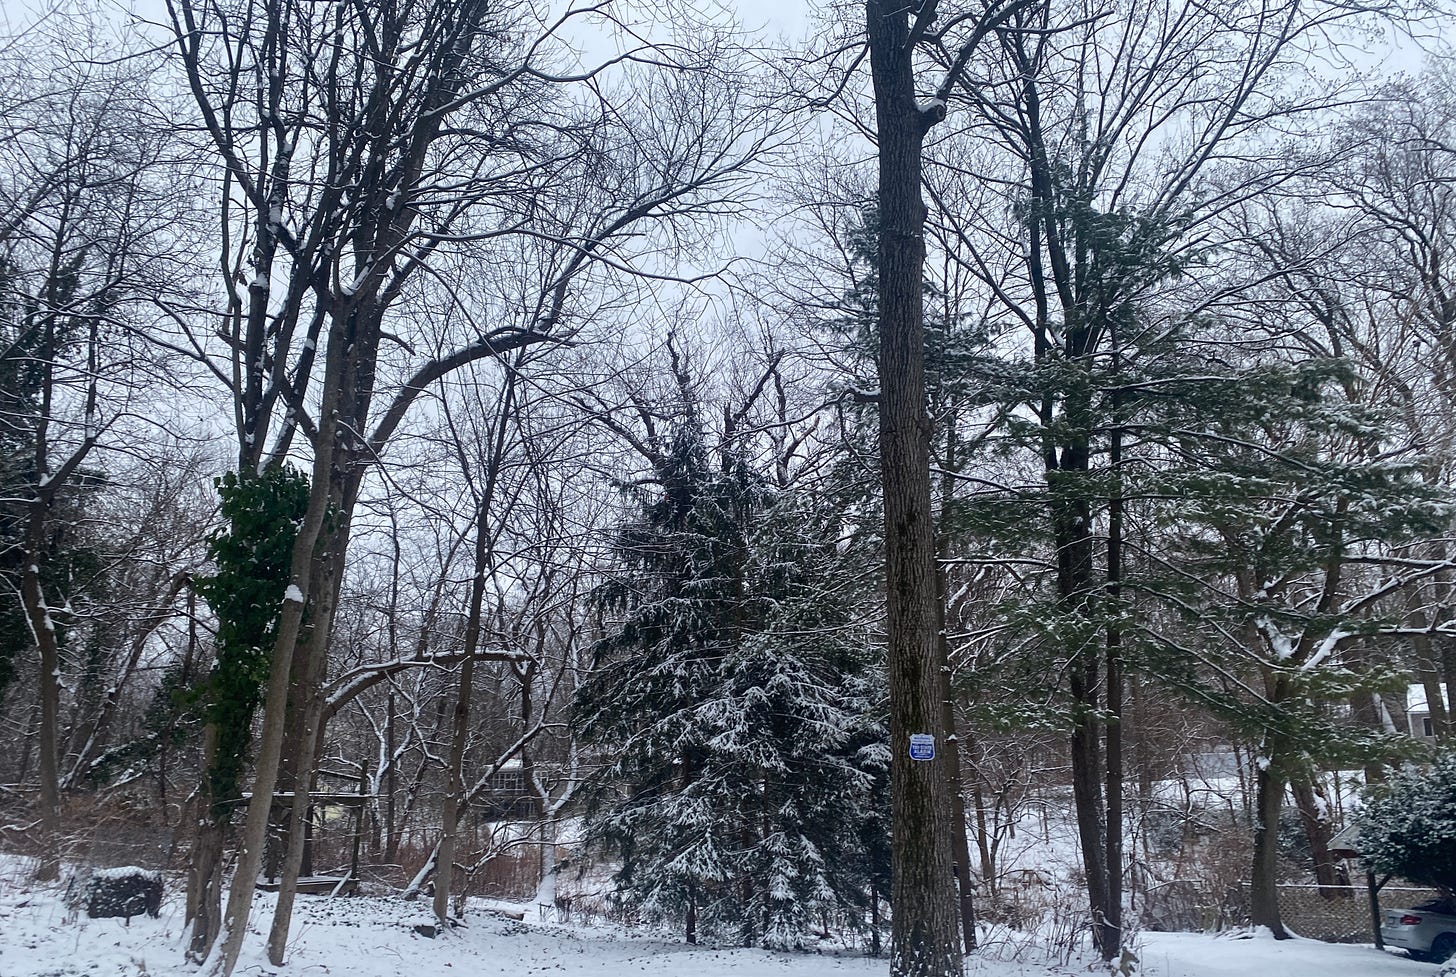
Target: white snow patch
x,y
377,937
126,872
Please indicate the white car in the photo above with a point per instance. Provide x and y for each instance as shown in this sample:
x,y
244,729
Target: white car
x,y
1426,932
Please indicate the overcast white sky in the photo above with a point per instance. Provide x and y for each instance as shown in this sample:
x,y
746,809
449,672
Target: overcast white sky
x,y
787,17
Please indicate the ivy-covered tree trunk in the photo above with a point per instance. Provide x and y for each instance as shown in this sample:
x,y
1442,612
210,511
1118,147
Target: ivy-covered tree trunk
x,y
251,556
294,599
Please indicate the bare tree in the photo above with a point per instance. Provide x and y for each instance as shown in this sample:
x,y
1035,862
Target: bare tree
x,y
1107,147
925,922
418,132
82,249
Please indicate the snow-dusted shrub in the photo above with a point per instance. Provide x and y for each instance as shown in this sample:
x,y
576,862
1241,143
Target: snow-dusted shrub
x,y
1408,825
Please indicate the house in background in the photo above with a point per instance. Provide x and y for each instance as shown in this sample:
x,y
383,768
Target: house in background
x,y
508,797
1418,712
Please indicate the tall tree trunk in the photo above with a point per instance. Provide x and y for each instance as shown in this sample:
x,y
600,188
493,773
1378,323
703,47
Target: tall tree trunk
x,y
1067,476
391,775
925,928
960,843
455,796
391,786
298,816
1087,787
1075,575
1067,416
43,630
204,878
1113,752
454,799
290,627
1314,812
984,842
38,613
1268,801
326,574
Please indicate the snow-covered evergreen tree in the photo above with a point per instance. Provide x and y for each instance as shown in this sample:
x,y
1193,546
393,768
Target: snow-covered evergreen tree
x,y
734,707
1408,824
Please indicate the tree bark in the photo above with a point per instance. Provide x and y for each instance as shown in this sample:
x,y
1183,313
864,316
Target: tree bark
x,y
1111,941
204,878
1268,800
454,799
1313,807
925,927
391,785
311,706
44,632
960,843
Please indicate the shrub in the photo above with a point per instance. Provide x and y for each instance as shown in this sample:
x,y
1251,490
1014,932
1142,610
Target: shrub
x,y
1408,825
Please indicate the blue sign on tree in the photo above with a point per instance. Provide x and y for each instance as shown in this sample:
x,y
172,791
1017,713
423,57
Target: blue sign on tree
x,y
922,746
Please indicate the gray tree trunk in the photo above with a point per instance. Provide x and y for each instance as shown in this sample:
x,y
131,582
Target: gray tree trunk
x,y
1268,800
925,928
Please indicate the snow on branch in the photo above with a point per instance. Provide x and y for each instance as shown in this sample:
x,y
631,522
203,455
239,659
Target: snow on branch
x,y
357,680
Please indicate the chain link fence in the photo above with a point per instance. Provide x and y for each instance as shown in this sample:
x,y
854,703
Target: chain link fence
x,y
1339,914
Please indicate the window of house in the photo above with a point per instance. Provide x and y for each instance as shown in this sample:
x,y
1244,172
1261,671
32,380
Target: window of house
x,y
1426,728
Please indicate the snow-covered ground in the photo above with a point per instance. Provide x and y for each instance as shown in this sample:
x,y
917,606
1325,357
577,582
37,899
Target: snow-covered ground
x,y
376,937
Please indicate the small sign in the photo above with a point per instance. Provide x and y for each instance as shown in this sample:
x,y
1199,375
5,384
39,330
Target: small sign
x,y
922,746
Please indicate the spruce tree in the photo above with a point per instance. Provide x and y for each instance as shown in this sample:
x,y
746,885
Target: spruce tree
x,y
735,707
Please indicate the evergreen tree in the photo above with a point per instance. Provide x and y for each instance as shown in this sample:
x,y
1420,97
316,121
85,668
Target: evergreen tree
x,y
734,701
1280,562
1253,488
70,561
1408,824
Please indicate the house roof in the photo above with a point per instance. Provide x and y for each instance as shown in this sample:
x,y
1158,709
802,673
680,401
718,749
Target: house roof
x,y
1345,843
